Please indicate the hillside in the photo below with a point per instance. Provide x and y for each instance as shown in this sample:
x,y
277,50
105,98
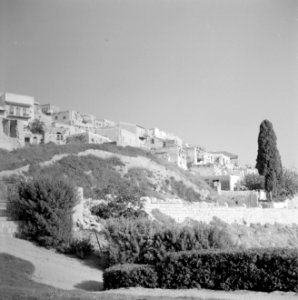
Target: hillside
x,y
98,167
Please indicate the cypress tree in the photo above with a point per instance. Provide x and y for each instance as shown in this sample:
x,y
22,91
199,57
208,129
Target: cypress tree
x,y
268,159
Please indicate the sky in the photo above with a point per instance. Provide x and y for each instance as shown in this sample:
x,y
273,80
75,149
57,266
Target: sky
x,y
209,71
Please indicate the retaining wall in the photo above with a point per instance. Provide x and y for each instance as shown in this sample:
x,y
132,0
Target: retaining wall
x,y
196,211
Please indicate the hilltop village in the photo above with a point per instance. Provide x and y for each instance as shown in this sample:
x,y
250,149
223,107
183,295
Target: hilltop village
x,y
19,112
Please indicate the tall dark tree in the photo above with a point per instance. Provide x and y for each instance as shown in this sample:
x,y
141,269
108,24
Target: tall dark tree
x,y
268,159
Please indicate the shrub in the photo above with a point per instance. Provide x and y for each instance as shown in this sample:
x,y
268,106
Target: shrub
x,y
130,275
89,172
146,242
37,126
123,199
288,186
78,247
184,192
44,207
253,182
260,270
127,238
163,218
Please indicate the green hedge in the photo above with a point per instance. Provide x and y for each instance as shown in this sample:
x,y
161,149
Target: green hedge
x,y
130,275
260,270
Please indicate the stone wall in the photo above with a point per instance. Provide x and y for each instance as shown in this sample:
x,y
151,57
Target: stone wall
x,y
204,212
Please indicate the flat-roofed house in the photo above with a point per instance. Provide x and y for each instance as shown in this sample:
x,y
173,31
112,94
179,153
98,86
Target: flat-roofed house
x,y
17,107
49,109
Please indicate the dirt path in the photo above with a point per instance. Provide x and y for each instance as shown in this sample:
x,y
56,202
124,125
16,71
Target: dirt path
x,y
52,268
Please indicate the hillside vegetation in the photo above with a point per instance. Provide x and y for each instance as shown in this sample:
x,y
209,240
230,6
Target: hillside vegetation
x,y
102,169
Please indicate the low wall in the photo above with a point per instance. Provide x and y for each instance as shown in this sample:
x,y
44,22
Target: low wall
x,y
205,213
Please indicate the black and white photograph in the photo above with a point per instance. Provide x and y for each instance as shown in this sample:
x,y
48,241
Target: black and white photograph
x,y
149,149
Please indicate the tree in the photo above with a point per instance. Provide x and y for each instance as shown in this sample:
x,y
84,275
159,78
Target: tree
x,y
253,182
37,126
268,159
289,187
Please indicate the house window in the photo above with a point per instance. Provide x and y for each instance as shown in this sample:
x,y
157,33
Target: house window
x,y
25,112
152,141
64,117
56,118
11,110
18,111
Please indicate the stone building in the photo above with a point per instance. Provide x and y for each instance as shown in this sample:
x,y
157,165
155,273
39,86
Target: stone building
x,y
17,107
121,136
87,138
174,154
49,109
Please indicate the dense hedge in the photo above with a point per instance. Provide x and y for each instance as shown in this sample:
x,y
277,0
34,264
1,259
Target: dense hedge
x,y
130,275
260,270
146,242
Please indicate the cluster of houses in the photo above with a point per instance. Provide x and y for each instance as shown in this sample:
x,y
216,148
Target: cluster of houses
x,y
17,112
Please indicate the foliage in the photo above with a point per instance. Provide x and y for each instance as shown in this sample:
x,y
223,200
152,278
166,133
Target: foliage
x,y
254,182
183,191
16,283
44,207
90,172
268,159
289,185
10,160
146,242
142,178
79,247
123,199
37,126
130,275
77,139
260,270
127,238
163,218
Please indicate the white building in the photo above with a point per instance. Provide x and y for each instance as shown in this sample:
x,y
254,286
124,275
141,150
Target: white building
x,y
17,107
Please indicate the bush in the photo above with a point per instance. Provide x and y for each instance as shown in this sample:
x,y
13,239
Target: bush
x,y
44,207
89,172
260,270
288,187
78,247
253,182
37,126
184,192
127,239
146,242
130,275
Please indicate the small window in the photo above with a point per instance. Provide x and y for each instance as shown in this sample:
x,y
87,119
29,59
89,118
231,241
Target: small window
x,y
64,117
152,141
11,110
56,118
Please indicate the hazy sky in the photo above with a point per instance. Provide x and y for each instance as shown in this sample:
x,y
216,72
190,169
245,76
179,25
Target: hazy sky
x,y
208,70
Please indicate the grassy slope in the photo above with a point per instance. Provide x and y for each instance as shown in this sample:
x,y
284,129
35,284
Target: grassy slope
x,y
16,283
10,160
93,173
